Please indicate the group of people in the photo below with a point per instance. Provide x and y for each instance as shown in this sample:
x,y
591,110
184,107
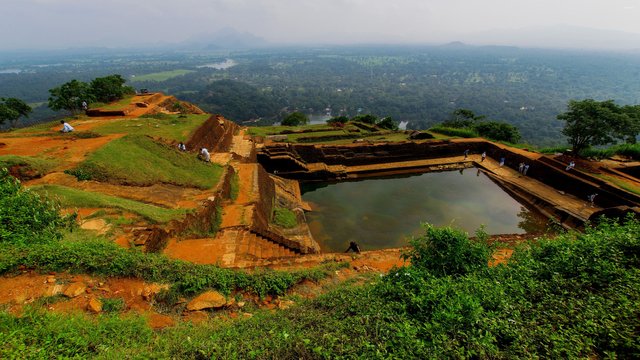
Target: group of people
x,y
523,168
203,154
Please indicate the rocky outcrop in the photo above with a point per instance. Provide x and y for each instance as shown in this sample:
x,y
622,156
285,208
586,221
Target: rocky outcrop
x,y
216,135
207,300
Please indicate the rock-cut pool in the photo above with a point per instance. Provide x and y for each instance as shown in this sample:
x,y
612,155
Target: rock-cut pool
x,y
386,212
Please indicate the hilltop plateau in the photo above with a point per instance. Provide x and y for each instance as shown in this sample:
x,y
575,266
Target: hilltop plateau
x,y
220,256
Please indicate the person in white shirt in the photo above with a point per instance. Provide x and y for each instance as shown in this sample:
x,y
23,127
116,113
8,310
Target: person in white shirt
x,y
66,127
204,153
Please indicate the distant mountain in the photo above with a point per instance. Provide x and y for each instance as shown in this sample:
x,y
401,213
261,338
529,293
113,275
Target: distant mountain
x,y
559,36
227,39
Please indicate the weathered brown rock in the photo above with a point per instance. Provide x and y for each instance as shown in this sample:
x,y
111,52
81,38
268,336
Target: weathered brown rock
x,y
95,305
75,289
207,300
151,290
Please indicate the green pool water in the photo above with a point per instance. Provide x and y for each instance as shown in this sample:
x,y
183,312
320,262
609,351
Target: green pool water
x,y
386,212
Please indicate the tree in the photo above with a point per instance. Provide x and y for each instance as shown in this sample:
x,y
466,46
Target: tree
x,y
590,122
462,118
366,118
496,130
295,119
110,88
631,125
11,109
387,123
69,96
338,121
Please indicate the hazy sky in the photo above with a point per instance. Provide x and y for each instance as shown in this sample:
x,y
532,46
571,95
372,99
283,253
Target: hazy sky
x,y
63,23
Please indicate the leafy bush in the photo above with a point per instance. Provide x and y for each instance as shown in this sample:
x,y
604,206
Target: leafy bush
x,y
447,251
25,217
498,131
295,119
110,305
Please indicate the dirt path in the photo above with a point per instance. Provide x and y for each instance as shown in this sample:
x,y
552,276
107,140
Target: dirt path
x,y
70,150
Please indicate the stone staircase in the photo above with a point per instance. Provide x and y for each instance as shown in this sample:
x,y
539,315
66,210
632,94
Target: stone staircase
x,y
251,248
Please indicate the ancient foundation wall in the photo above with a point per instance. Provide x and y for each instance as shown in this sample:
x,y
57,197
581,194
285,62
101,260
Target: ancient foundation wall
x,y
204,221
301,162
216,134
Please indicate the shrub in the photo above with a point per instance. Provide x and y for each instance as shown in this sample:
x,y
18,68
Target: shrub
x,y
295,119
25,217
498,131
447,251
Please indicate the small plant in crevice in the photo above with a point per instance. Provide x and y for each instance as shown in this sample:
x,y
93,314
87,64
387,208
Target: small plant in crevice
x,y
284,217
112,304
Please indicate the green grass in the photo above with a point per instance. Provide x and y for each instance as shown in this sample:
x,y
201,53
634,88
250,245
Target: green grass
x,y
70,197
284,217
138,160
170,127
79,252
464,133
235,186
117,105
161,76
554,149
275,130
576,296
619,182
35,165
43,127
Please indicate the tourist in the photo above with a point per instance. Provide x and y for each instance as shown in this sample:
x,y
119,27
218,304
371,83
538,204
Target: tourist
x,y
520,167
182,146
526,168
502,161
66,127
571,166
591,198
484,156
85,106
353,246
204,154
466,154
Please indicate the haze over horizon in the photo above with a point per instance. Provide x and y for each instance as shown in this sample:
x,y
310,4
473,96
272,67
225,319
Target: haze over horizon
x,y
56,24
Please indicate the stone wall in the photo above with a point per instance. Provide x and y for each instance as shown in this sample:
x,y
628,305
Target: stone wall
x,y
215,134
295,161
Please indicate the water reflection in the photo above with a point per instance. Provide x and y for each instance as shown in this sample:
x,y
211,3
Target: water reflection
x,y
382,213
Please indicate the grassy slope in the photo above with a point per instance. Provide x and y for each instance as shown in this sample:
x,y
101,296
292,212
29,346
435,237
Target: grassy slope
x,y
138,160
38,165
70,197
170,127
574,297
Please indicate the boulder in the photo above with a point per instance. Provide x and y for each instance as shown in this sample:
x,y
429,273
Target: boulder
x,y
75,289
207,300
151,290
95,305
